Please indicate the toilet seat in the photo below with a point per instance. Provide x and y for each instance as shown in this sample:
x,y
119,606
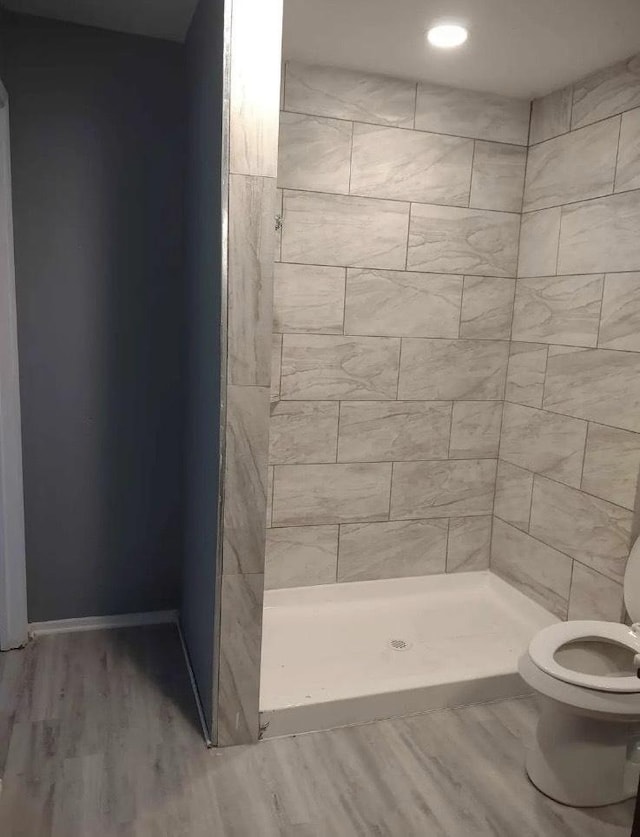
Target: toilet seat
x,y
546,643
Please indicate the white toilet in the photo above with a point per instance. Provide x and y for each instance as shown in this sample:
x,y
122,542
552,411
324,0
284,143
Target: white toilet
x,y
587,746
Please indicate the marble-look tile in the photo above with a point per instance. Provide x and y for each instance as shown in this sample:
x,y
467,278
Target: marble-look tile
x,y
601,236
593,596
558,309
525,373
475,429
592,531
344,230
269,494
606,92
469,544
551,115
487,307
279,219
344,94
389,431
446,370
513,495
301,555
628,166
251,242
498,176
572,167
245,498
447,239
309,494
396,549
303,432
543,442
612,465
540,572
410,165
539,234
308,298
456,488
316,367
276,359
314,153
389,303
595,384
467,113
620,318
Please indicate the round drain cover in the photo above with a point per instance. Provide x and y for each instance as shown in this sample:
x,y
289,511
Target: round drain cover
x,y
399,644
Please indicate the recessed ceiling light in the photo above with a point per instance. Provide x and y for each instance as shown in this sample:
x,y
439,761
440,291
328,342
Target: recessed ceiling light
x,y
447,35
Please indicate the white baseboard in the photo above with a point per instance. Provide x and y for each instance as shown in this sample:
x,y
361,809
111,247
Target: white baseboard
x,y
95,623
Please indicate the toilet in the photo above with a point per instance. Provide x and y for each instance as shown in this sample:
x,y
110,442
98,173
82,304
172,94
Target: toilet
x,y
586,750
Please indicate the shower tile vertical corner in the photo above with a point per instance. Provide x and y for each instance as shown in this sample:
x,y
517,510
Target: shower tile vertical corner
x,y
551,115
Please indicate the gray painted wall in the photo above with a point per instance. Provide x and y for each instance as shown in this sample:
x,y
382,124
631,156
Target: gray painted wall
x,y
97,141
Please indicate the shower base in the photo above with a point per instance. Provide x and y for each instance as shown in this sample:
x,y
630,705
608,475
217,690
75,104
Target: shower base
x,y
340,654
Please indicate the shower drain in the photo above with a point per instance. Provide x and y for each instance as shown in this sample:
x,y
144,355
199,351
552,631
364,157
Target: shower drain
x,y
399,644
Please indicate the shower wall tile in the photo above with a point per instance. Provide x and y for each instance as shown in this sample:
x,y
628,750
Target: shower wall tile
x,y
314,153
269,495
514,487
563,310
279,217
572,167
551,115
393,431
346,231
313,494
334,368
392,550
526,373
389,302
276,357
466,113
593,596
539,234
469,544
454,488
475,429
607,92
628,166
446,239
612,465
301,555
303,432
498,176
487,307
426,167
308,298
453,369
620,320
326,91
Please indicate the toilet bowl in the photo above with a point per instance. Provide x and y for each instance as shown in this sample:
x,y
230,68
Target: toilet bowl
x,y
586,750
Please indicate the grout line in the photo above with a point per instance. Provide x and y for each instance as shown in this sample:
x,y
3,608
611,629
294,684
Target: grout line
x,y
415,106
584,455
338,429
615,168
473,163
446,549
390,489
350,159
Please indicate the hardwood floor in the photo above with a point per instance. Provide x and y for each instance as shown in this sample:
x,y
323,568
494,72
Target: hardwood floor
x,y
99,736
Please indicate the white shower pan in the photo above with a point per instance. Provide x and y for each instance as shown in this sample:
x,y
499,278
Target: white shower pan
x,y
339,654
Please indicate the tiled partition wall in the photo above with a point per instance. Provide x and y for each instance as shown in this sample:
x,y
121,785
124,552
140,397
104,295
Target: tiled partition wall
x,y
393,297
570,444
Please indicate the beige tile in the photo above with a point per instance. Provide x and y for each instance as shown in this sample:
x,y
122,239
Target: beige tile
x,y
279,217
303,432
393,430
314,153
537,570
551,115
606,92
620,319
301,555
475,429
276,359
498,176
525,373
345,231
442,489
628,166
487,307
539,233
310,494
316,367
612,465
469,544
389,302
572,167
595,384
392,550
410,165
558,309
543,442
593,596
447,239
592,531
308,298
466,113
269,495
513,495
452,369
